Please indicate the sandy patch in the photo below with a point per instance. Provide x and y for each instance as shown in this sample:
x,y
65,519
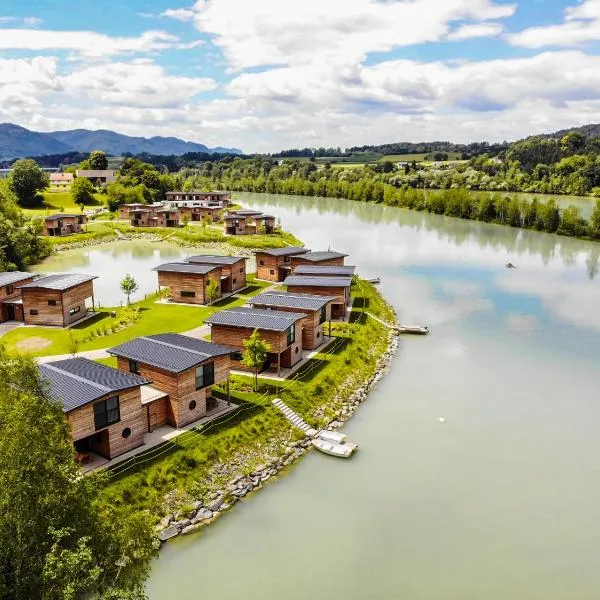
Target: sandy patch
x,y
33,343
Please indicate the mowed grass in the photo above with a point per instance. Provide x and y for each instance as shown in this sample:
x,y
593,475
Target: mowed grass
x,y
423,157
155,317
55,202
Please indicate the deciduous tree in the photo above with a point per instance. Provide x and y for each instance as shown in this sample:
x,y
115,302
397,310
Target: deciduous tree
x,y
82,191
129,286
98,161
27,180
256,351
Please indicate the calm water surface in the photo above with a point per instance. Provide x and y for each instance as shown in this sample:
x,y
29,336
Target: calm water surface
x,y
499,501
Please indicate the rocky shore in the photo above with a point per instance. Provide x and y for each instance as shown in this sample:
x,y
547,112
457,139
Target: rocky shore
x,y
218,501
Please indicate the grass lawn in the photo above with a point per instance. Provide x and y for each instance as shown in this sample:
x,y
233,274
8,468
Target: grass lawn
x,y
424,157
154,318
187,468
93,231
55,201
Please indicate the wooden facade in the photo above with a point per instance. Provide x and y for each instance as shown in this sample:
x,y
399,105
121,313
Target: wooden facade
x,y
45,306
275,265
167,218
282,354
196,214
57,225
143,217
205,197
183,404
190,288
11,305
342,295
125,209
239,225
120,437
233,276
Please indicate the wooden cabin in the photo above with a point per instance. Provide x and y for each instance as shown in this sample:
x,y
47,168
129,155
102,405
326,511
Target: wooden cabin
x,y
282,330
167,217
325,270
265,224
188,282
276,264
182,370
63,224
217,199
233,270
103,405
57,300
211,214
317,310
338,287
241,222
319,258
11,303
143,217
125,209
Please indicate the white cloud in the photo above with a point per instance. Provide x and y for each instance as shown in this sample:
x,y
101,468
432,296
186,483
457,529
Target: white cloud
x,y
581,24
478,30
32,21
181,14
85,43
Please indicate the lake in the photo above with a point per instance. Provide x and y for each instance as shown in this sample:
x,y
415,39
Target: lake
x,y
498,501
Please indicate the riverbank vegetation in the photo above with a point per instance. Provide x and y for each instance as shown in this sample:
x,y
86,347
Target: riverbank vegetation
x,y
207,459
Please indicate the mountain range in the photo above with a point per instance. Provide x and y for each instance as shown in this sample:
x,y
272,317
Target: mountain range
x,y
17,142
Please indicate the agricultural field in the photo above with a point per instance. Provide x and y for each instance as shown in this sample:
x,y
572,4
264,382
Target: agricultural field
x,y
452,156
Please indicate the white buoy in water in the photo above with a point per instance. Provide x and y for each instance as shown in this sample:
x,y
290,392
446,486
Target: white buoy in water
x,y
441,419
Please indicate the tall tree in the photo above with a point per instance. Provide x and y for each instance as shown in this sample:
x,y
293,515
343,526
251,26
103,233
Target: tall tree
x,y
255,354
82,191
57,541
212,290
98,160
129,286
27,180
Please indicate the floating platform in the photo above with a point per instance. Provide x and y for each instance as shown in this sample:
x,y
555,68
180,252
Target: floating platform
x,y
418,330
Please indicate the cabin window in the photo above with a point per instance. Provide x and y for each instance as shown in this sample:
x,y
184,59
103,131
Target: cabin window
x,y
272,272
106,412
51,302
323,315
261,263
33,311
10,289
234,280
242,269
291,335
134,366
235,356
192,405
205,375
187,294
74,310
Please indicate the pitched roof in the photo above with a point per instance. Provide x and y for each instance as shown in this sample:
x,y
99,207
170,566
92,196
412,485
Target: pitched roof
x,y
61,176
95,173
308,281
79,381
289,251
285,300
254,318
169,351
326,255
246,212
192,268
62,216
59,281
335,270
214,259
11,277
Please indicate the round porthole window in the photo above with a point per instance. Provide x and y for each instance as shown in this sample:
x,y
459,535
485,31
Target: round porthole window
x,y
192,405
126,432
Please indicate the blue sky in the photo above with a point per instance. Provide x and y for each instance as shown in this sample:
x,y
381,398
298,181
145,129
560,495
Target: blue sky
x,y
270,74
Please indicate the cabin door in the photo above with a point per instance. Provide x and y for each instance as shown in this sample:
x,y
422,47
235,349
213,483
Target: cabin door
x,y
10,312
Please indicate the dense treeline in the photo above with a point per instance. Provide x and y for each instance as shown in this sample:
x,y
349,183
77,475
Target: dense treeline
x,y
366,185
466,150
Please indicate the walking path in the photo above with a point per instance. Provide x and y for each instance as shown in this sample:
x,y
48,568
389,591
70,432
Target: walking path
x,y
380,320
293,418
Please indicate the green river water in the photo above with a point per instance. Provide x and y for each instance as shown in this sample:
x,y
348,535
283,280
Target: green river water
x,y
499,500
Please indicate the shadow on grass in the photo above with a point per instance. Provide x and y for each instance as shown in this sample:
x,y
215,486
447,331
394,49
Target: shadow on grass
x,y
358,317
338,346
251,289
97,316
310,369
360,302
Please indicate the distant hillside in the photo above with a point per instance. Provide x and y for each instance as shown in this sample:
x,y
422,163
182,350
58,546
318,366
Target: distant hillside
x,y
16,142
592,130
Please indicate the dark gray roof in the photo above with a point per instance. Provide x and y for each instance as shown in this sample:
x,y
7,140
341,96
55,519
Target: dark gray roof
x,y
11,277
78,381
290,250
62,216
215,259
327,255
244,212
169,351
308,281
59,281
335,270
254,318
307,301
192,268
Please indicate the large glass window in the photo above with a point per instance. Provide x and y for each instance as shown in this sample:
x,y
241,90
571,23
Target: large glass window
x,y
134,366
291,335
106,412
205,375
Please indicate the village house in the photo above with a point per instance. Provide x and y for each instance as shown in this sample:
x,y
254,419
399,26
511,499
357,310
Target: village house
x,y
276,264
143,217
97,177
182,371
282,330
211,214
233,270
316,308
216,199
64,224
11,303
125,209
58,299
325,270
167,217
61,181
265,224
339,287
319,258
241,222
189,282
103,405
